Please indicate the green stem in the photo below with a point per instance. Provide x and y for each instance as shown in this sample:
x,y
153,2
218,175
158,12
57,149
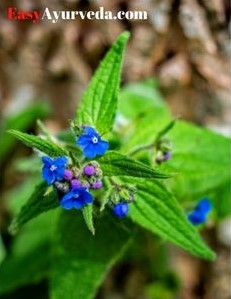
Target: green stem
x,y
141,148
74,160
157,139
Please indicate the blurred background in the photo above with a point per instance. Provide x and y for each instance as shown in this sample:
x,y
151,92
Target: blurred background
x,y
45,67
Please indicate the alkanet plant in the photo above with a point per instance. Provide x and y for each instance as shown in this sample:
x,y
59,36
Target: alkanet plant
x,y
117,179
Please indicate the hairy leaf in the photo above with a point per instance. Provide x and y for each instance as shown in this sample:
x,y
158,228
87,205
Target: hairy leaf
x,y
88,217
47,147
203,160
145,129
156,209
83,260
116,164
99,102
38,203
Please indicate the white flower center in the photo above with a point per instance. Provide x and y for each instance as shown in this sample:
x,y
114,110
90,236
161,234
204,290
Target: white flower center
x,y
94,139
76,196
53,167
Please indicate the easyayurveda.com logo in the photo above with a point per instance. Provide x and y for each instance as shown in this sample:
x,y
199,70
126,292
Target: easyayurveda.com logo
x,y
54,16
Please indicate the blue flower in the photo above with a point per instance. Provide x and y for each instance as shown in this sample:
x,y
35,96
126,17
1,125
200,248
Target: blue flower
x,y
53,169
76,198
92,143
200,213
197,217
204,205
121,209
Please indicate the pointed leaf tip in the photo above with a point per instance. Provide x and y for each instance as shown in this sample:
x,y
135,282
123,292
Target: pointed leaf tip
x,y
99,104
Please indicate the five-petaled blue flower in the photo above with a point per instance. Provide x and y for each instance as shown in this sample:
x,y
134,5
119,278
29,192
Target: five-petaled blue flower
x,y
53,169
76,198
201,211
92,143
121,209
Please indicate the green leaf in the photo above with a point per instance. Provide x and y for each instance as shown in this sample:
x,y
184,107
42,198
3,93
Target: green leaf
x,y
221,200
47,147
2,251
88,217
38,203
116,164
29,258
82,260
156,209
16,197
203,158
99,102
31,164
17,271
20,121
145,129
138,98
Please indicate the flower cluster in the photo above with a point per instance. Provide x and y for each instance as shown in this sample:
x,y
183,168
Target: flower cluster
x,y
74,183
200,213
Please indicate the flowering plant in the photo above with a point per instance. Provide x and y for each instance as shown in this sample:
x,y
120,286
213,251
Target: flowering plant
x,y
118,177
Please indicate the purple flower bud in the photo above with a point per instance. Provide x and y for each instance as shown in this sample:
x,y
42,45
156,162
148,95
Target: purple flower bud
x,y
97,185
167,156
75,183
68,175
89,170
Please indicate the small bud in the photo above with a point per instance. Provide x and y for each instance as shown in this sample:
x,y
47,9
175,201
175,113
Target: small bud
x,y
95,164
68,175
127,193
97,185
75,171
75,183
89,170
131,198
77,130
62,186
167,156
98,172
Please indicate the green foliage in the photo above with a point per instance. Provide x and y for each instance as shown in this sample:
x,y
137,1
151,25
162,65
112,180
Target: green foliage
x,y
138,98
99,102
144,129
38,203
17,271
116,164
20,121
76,259
202,158
88,217
157,210
30,257
47,147
18,196
82,260
2,251
30,164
